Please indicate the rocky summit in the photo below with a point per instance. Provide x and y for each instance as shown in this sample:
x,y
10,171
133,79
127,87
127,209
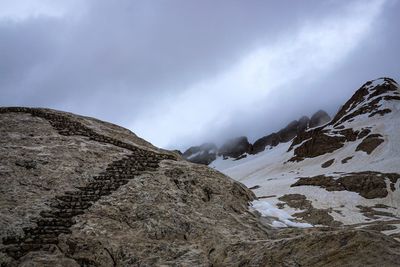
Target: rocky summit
x,y
76,191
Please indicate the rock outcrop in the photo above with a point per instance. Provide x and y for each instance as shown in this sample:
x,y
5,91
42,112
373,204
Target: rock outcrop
x,y
368,184
81,192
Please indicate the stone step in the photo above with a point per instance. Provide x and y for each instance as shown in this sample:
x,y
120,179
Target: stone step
x,y
99,191
80,197
107,182
55,222
11,240
49,231
63,204
112,178
61,213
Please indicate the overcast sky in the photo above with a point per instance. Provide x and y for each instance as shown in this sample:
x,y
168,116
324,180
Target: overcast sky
x,y
182,72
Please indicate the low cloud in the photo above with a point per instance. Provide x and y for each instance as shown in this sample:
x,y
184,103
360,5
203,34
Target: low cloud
x,y
179,73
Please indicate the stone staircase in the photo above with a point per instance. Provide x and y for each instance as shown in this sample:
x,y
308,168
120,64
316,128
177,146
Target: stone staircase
x,y
60,216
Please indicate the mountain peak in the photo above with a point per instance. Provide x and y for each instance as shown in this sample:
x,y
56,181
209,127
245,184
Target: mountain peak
x,y
369,99
355,121
319,118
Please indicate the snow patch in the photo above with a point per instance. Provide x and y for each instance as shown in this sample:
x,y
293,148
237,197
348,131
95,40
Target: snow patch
x,y
268,210
195,155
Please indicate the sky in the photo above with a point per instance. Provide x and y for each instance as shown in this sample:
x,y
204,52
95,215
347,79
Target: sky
x,y
183,72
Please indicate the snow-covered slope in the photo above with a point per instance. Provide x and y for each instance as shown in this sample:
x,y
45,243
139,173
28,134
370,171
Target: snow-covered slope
x,y
345,172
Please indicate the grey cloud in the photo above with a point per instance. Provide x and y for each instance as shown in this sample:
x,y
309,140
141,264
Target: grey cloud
x,y
117,59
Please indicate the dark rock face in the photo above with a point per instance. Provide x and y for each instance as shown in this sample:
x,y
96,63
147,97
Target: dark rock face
x,y
363,133
369,143
368,184
262,143
345,160
284,135
235,147
204,154
319,142
293,129
328,163
319,118
178,152
309,213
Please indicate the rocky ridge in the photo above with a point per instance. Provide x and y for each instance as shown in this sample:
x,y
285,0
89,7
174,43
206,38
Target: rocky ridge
x,y
240,147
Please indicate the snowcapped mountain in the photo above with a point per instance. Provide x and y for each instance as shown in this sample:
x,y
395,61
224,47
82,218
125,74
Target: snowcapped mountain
x,y
345,172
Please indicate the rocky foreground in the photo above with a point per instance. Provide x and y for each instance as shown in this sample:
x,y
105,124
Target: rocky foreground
x,y
76,191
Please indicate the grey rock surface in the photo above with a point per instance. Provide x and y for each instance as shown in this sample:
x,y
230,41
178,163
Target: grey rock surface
x,y
76,191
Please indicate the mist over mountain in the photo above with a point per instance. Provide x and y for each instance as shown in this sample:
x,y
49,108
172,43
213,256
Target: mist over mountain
x,y
238,146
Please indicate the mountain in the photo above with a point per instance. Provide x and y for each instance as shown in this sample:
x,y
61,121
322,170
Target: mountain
x,y
240,147
77,191
344,172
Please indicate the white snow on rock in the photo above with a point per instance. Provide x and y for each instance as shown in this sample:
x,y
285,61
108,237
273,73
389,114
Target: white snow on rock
x,y
271,171
284,219
196,155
